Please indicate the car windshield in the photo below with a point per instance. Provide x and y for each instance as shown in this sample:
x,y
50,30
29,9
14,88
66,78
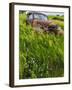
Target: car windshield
x,y
40,17
43,17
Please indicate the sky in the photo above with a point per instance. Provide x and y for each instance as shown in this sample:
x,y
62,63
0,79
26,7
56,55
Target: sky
x,y
54,13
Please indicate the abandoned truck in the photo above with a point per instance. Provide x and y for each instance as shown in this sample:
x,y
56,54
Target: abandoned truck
x,y
40,22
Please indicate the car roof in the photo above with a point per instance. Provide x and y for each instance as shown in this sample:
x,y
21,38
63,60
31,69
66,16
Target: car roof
x,y
35,12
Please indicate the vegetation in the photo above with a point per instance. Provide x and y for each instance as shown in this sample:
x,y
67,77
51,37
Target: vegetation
x,y
41,55
59,20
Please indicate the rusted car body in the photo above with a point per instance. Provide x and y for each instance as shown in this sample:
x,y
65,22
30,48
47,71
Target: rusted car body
x,y
40,21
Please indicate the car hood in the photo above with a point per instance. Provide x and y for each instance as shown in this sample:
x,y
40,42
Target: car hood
x,y
44,23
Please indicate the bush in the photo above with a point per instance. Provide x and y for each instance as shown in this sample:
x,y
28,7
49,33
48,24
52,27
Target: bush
x,y
60,18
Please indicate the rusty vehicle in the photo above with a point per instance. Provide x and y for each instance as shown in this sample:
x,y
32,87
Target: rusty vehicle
x,y
40,22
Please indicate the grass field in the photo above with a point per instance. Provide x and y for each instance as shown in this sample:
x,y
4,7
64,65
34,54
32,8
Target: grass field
x,y
41,55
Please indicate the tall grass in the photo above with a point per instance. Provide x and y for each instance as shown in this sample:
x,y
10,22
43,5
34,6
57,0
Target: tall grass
x,y
41,55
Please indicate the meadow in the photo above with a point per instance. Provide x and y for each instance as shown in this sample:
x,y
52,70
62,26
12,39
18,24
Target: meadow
x,y
41,55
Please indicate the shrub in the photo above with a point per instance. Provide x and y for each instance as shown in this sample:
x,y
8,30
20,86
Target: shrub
x,y
60,18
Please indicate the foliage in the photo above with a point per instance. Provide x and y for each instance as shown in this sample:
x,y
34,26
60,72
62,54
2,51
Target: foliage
x,y
59,23
41,55
59,20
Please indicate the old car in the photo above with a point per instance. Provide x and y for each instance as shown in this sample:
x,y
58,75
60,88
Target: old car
x,y
40,22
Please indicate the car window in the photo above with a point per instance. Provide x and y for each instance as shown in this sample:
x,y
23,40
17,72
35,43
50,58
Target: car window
x,y
36,16
30,16
43,17
40,17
